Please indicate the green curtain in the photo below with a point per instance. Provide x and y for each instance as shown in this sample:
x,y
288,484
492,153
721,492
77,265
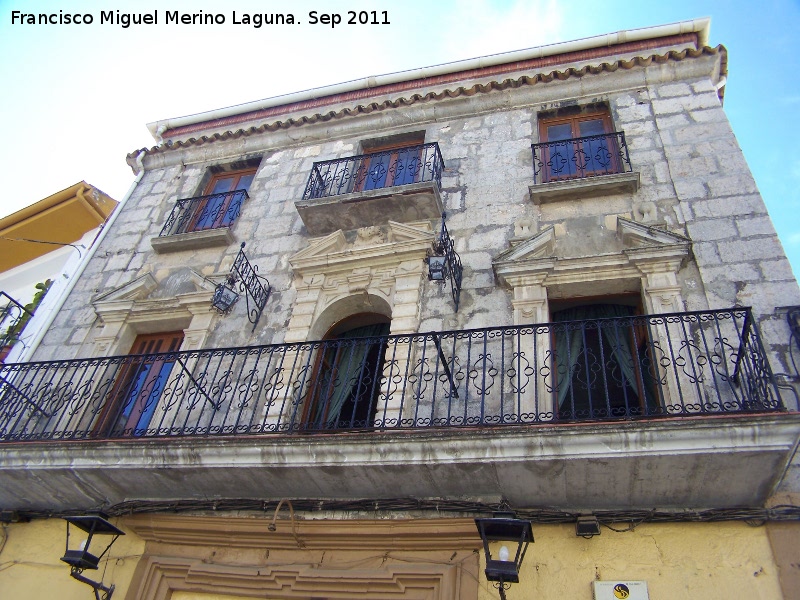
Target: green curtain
x,y
347,363
569,344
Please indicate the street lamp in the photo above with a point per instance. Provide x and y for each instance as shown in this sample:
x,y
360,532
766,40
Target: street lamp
x,y
509,531
437,268
85,556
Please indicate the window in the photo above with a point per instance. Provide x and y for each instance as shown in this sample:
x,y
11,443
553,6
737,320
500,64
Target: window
x,y
390,161
221,202
390,166
602,361
140,384
577,145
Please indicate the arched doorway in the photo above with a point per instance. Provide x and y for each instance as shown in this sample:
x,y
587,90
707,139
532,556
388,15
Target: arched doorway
x,y
347,374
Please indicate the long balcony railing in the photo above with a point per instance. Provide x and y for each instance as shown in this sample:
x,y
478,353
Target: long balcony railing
x,y
576,158
204,212
638,367
400,166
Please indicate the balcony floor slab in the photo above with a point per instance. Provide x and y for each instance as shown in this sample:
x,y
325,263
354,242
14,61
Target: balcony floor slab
x,y
702,462
403,204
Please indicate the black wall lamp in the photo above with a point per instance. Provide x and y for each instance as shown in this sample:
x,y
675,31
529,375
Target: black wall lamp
x,y
509,531
246,276
445,263
85,556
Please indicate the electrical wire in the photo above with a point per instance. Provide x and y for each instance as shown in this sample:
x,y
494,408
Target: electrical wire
x,y
10,239
543,516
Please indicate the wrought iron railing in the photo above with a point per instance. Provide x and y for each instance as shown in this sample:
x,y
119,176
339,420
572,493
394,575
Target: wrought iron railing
x,y
580,157
13,317
638,367
204,212
400,166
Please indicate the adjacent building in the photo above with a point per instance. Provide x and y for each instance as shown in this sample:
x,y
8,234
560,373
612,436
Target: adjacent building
x,y
541,281
42,248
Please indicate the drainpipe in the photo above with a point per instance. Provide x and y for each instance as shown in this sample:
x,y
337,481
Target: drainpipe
x,y
51,311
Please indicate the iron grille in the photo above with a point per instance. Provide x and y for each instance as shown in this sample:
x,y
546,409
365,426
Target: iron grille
x,y
204,212
400,166
576,158
13,318
637,367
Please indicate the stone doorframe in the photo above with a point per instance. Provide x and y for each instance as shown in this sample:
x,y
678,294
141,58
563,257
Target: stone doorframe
x,y
127,311
380,271
423,559
650,255
649,262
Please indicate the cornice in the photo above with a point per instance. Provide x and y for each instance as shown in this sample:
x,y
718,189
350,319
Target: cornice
x,y
316,534
462,91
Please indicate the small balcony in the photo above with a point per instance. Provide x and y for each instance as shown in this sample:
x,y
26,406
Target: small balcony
x,y
402,184
582,167
200,222
629,411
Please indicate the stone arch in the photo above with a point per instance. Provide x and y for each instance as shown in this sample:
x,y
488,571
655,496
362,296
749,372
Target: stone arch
x,y
345,307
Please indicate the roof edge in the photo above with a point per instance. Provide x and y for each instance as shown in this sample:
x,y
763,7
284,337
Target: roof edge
x,y
78,190
701,27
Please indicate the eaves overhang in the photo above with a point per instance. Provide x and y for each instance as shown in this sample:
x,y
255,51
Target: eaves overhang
x,y
695,462
541,67
60,219
695,31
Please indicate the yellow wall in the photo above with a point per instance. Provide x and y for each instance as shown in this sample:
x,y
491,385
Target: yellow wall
x,y
31,569
678,561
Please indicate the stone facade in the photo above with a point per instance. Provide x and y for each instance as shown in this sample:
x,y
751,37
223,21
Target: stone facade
x,y
693,182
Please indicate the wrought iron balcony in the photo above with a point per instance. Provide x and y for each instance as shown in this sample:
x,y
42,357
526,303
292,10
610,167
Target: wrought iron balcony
x,y
204,212
582,157
638,367
399,166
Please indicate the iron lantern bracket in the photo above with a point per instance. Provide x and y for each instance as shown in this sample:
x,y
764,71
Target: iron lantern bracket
x,y
256,288
453,270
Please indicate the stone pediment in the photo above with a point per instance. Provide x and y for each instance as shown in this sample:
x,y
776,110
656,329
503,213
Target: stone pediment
x,y
540,245
373,245
145,287
637,235
644,248
322,246
138,289
419,231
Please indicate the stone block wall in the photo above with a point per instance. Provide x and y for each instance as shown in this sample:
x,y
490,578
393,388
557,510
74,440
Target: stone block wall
x,y
693,182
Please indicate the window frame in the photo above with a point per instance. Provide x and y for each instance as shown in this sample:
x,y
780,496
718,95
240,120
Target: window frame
x,y
128,388
325,373
378,149
639,343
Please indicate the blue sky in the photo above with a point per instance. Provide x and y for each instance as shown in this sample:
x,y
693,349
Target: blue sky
x,y
76,97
